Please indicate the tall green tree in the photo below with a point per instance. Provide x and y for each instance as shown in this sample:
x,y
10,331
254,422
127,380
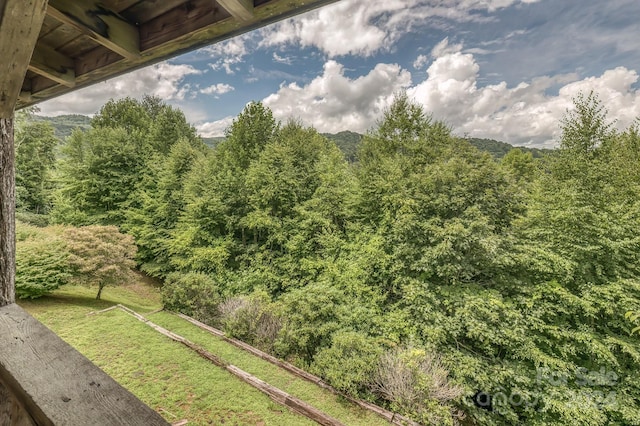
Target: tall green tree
x,y
105,170
160,207
210,234
35,160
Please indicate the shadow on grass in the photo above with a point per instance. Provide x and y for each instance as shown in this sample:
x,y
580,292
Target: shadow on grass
x,y
68,300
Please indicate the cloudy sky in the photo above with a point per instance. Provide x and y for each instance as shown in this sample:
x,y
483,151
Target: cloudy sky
x,y
500,69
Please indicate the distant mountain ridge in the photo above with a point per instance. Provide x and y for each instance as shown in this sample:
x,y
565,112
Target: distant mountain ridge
x,y
63,125
347,141
499,149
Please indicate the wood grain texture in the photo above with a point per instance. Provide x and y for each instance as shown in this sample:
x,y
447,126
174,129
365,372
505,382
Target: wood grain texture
x,y
102,24
242,10
7,213
144,11
56,384
20,23
182,20
12,413
53,65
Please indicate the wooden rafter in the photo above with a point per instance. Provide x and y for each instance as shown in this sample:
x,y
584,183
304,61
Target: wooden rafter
x,y
53,65
25,96
80,30
242,10
103,25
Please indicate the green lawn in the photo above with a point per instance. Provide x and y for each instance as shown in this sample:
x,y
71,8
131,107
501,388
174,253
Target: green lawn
x,y
169,377
164,374
325,401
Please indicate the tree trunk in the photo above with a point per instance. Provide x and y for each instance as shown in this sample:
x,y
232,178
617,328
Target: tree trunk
x,y
7,213
99,292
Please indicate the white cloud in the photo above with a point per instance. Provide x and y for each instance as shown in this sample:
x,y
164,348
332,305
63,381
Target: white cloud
x,y
420,62
214,128
444,48
218,89
364,28
528,113
524,114
333,102
227,53
164,80
281,59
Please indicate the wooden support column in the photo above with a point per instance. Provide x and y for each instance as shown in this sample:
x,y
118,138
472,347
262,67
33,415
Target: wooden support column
x,y
20,23
7,213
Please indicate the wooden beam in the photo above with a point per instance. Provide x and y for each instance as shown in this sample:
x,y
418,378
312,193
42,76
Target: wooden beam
x,y
56,384
11,410
242,10
20,23
25,96
103,25
180,21
147,10
53,65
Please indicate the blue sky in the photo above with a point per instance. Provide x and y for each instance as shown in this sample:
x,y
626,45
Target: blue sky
x,y
501,69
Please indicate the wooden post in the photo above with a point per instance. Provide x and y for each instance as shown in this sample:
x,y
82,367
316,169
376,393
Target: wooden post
x,y
7,213
20,23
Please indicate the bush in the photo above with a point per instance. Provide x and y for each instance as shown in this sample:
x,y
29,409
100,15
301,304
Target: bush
x,y
195,294
252,320
35,219
349,363
313,314
41,263
416,384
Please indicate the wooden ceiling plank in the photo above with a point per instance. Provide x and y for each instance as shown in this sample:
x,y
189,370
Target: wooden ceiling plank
x,y
119,5
103,25
182,20
242,10
20,23
53,65
144,11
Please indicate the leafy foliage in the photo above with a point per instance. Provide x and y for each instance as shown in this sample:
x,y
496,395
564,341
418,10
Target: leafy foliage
x,y
42,261
35,159
194,294
418,271
100,255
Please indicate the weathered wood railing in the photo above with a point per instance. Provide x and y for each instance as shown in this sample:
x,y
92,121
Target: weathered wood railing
x,y
44,381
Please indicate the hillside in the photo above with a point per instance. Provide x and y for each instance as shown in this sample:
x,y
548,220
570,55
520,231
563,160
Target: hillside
x,y
499,149
213,142
65,124
348,143
346,140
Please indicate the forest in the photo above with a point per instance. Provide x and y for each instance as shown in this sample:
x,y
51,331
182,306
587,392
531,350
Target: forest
x,y
415,271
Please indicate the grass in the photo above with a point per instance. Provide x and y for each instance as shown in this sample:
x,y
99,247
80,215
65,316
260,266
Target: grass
x,y
165,375
325,401
169,377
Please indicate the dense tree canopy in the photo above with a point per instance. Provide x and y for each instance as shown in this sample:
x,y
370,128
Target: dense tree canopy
x,y
417,274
